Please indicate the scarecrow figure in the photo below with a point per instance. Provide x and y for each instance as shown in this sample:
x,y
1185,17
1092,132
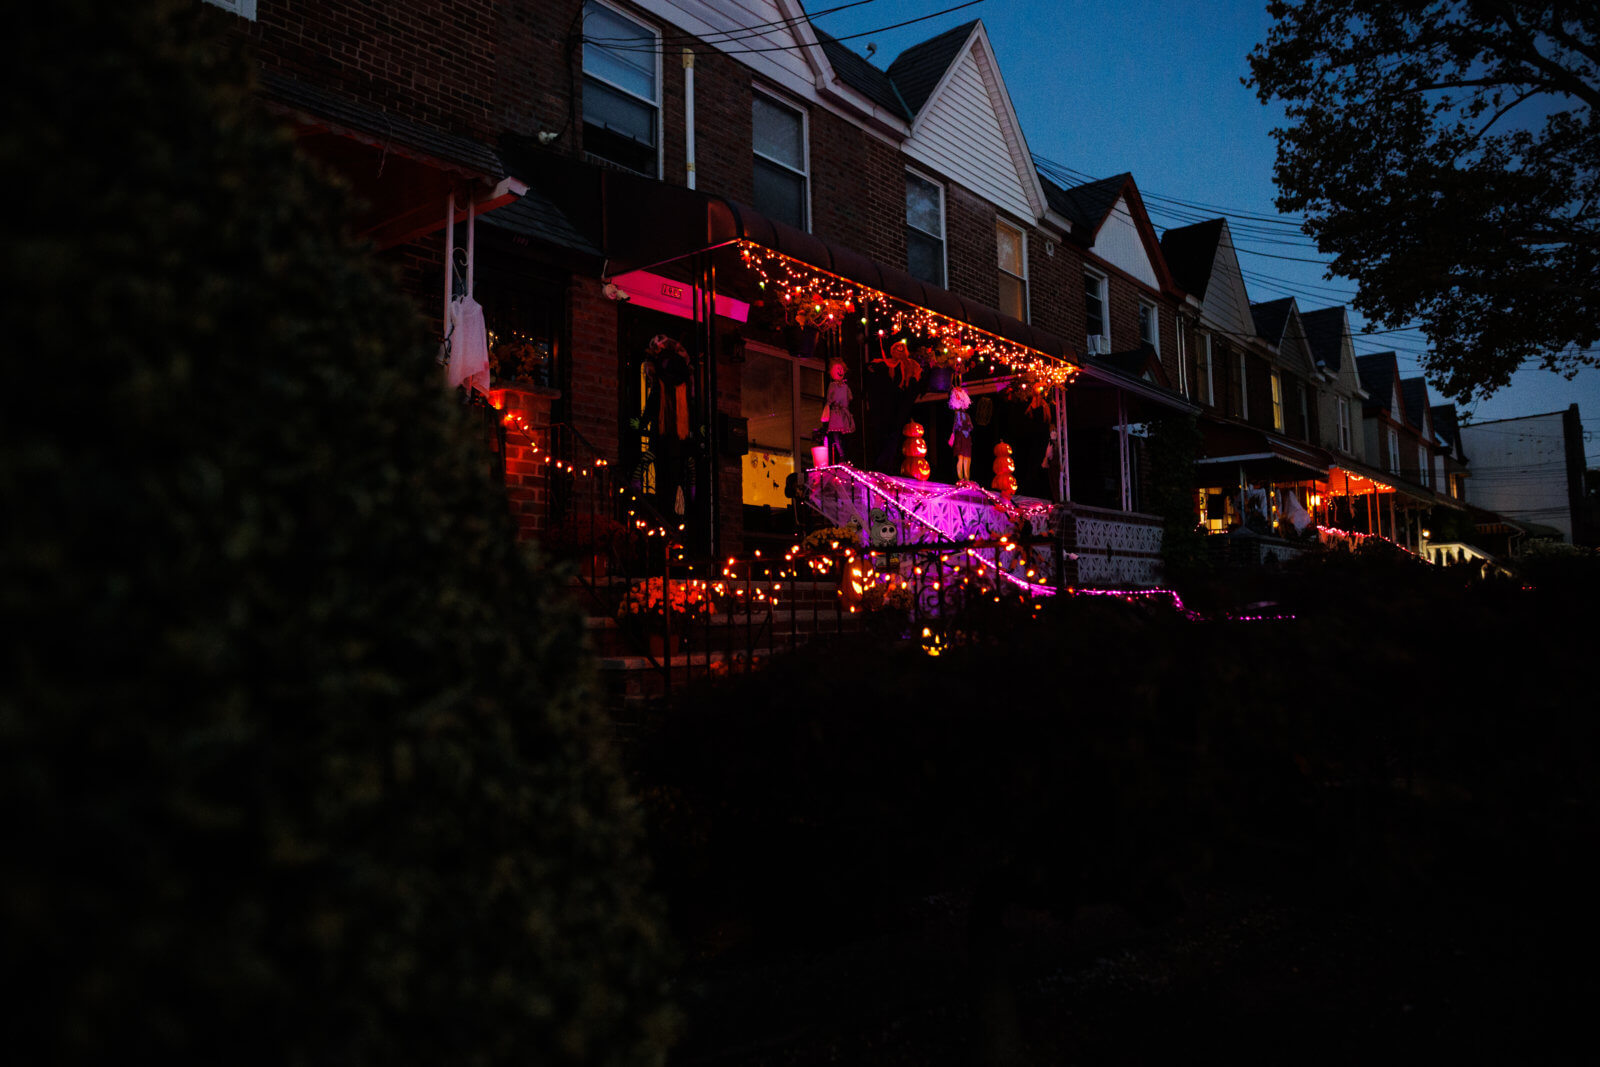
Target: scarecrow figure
x,y
665,419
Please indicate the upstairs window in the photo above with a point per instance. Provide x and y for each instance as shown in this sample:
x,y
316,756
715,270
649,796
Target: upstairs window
x,y
621,90
1394,451
778,134
1150,325
1344,424
1205,374
924,230
1094,309
1241,391
1277,402
1423,472
1013,256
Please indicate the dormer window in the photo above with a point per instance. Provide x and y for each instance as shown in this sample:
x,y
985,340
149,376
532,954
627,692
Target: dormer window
x,y
1150,325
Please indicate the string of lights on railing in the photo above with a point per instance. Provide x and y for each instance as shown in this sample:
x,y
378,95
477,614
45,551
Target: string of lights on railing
x,y
515,423
823,299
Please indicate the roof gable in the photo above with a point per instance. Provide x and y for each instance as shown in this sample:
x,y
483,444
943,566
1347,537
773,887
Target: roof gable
x,y
1190,252
1414,394
1226,305
965,127
1380,373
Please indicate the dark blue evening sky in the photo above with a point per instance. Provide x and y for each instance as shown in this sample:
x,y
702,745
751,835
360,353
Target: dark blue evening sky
x,y
1153,87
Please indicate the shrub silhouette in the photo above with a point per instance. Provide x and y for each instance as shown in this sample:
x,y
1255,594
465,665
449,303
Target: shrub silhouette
x,y
298,753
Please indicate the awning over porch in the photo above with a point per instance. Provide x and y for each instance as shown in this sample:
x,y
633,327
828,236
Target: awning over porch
x,y
640,223
1261,455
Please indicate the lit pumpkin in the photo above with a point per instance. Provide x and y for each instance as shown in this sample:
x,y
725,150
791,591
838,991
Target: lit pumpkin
x,y
1005,481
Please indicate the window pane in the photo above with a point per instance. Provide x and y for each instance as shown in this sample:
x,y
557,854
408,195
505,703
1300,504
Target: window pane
x,y
619,50
778,133
1092,306
780,194
924,257
1010,245
1011,296
1147,324
922,207
626,117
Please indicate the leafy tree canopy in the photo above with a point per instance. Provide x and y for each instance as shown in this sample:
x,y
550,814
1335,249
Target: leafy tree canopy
x,y
298,755
1447,154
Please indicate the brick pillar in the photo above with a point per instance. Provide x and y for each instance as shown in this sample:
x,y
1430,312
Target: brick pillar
x,y
525,413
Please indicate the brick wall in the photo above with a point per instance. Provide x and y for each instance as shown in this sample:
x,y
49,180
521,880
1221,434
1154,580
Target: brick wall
x,y
430,62
970,248
1055,289
526,412
1123,296
592,400
537,66
858,191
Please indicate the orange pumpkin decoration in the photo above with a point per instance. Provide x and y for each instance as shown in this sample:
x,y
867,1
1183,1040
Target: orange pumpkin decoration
x,y
915,450
1005,481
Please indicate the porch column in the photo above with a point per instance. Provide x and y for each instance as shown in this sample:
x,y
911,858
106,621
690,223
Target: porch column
x,y
1122,448
1064,475
1394,531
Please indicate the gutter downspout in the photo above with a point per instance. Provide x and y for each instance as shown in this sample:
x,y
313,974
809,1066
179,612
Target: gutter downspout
x,y
688,111
449,257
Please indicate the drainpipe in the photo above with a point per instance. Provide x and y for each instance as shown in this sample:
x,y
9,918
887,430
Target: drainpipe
x,y
449,256
1122,447
472,239
688,110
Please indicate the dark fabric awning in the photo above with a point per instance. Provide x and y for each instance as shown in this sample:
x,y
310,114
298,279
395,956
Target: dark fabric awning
x,y
1263,455
643,224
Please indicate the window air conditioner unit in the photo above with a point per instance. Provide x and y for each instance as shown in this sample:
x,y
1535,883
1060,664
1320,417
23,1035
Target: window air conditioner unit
x,y
1099,345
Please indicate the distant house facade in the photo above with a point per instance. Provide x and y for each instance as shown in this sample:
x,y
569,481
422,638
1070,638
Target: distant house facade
x,y
1531,471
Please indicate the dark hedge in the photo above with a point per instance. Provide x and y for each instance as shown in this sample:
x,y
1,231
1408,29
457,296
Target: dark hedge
x,y
298,757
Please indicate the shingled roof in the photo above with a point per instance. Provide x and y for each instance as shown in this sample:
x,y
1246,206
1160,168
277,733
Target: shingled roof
x,y
1377,373
1190,251
393,131
1086,205
862,76
1414,395
916,71
1325,334
1271,318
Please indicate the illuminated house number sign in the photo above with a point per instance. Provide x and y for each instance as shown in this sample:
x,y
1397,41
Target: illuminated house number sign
x,y
672,292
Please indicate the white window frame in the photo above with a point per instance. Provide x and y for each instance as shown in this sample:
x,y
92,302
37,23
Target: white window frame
x,y
1277,401
805,148
1022,236
1344,424
1183,355
1244,390
1155,323
655,104
944,226
1394,451
245,9
1103,295
1424,473
1211,383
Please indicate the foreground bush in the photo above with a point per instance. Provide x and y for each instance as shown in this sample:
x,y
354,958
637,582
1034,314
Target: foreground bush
x,y
296,755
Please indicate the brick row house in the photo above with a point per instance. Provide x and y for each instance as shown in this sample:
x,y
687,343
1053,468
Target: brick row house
x,y
684,218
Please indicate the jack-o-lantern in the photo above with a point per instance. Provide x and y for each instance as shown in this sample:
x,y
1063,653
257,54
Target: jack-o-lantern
x,y
915,452
1005,480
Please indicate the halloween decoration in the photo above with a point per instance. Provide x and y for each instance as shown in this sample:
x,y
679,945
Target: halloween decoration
x,y
836,410
664,418
915,451
961,435
1005,480
901,363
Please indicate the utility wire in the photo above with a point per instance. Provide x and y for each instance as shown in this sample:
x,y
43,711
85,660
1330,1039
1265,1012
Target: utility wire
x,y
652,49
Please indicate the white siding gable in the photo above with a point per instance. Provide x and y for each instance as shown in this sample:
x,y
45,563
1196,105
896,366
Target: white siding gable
x,y
968,133
1119,244
1227,304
